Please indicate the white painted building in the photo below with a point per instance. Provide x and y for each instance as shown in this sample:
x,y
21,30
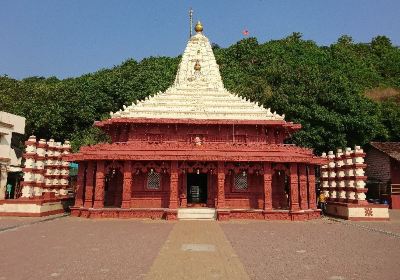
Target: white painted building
x,y
10,161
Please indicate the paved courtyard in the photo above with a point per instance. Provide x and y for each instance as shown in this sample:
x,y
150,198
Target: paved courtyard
x,y
63,247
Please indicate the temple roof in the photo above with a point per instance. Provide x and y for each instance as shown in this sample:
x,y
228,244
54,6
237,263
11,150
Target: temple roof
x,y
197,93
218,151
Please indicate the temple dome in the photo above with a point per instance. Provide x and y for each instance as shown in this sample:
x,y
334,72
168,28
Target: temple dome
x,y
197,92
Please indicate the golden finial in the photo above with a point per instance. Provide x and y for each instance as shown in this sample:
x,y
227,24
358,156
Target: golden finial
x,y
197,66
199,27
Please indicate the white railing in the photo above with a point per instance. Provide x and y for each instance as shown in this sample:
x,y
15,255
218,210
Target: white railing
x,y
395,188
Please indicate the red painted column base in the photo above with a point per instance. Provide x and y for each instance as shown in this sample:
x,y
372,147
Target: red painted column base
x,y
126,204
98,204
171,214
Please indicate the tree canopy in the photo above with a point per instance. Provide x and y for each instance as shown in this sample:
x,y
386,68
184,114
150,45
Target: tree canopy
x,y
338,92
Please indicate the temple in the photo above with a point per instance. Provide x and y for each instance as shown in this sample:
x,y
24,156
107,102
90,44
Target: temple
x,y
196,146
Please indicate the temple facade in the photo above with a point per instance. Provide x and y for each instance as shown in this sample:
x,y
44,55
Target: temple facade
x,y
196,145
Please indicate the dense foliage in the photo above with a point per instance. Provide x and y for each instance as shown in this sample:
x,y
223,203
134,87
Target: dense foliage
x,y
323,88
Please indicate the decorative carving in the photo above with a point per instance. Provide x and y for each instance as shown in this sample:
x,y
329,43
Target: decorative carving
x,y
240,167
311,188
146,166
303,187
267,176
294,185
99,191
192,167
89,185
368,212
127,185
173,198
80,186
221,185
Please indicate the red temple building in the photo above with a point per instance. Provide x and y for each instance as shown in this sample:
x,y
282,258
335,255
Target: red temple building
x,y
196,146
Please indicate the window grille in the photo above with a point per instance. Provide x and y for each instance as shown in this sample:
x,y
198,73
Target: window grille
x,y
153,181
241,181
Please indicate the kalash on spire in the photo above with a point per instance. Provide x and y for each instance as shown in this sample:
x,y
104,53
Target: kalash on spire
x,y
199,27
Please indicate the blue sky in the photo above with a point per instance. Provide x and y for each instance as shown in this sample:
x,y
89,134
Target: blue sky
x,y
67,38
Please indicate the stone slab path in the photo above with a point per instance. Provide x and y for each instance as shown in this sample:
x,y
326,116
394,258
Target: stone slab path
x,y
197,250
70,248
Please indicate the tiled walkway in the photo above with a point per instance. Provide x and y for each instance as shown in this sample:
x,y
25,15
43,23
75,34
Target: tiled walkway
x,y
197,250
75,248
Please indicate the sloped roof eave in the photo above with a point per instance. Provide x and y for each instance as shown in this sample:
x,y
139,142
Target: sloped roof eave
x,y
391,149
195,121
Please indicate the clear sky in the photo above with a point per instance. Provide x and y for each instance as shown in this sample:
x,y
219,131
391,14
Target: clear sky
x,y
67,38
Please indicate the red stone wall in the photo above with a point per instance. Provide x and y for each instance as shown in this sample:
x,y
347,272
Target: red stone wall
x,y
145,198
252,198
378,165
395,171
182,132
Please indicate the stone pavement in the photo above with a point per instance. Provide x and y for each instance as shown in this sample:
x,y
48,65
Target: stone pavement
x,y
74,248
197,250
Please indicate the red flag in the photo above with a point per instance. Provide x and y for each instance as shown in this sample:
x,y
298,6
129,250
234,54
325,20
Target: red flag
x,y
245,32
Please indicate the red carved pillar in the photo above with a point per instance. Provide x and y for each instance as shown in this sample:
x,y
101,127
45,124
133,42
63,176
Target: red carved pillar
x,y
303,187
311,188
89,185
294,188
99,191
127,185
221,185
184,190
209,189
267,180
173,185
80,186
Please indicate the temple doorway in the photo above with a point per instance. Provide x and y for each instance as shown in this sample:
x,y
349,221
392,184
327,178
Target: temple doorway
x,y
280,190
197,188
113,188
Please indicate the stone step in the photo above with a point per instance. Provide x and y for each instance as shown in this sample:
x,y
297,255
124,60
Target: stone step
x,y
196,213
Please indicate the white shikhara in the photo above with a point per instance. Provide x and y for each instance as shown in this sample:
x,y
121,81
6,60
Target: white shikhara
x,y
197,93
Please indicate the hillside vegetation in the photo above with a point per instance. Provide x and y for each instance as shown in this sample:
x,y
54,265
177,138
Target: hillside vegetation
x,y
343,94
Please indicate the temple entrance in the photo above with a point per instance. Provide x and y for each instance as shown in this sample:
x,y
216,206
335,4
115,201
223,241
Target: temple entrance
x,y
113,188
280,190
196,188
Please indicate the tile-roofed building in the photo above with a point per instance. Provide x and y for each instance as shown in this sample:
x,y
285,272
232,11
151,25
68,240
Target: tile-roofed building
x,y
383,165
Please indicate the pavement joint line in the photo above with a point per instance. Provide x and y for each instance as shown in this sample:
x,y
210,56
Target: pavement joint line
x,y
349,223
35,222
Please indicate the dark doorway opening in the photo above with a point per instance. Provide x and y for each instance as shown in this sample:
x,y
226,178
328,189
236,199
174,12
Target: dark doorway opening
x,y
197,188
113,189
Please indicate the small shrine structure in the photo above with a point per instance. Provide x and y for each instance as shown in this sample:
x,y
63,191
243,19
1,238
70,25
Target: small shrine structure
x,y
343,183
45,186
196,145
